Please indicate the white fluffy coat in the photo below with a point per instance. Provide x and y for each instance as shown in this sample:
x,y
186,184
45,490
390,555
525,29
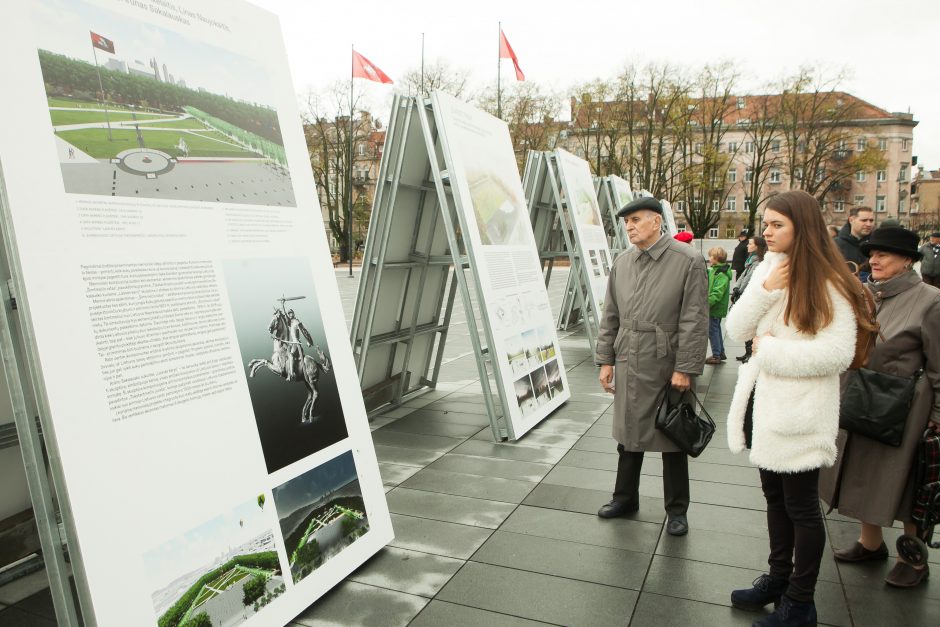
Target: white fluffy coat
x,y
795,378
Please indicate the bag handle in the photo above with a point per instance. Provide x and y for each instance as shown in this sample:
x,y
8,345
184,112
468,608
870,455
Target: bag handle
x,y
694,395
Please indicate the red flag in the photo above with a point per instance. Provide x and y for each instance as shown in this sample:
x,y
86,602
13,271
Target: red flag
x,y
506,52
363,68
101,43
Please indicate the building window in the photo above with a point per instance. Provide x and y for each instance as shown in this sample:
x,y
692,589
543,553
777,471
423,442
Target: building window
x,y
698,148
775,145
732,204
680,205
859,200
860,176
748,146
880,204
839,206
361,150
881,176
902,175
820,173
905,144
715,205
748,175
861,144
775,176
732,147
741,102
747,203
713,232
680,226
732,175
882,143
901,206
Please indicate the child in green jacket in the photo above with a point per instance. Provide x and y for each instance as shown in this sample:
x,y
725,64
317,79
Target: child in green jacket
x,y
719,290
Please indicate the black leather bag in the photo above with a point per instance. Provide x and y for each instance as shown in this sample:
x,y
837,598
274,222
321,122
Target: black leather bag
x,y
685,428
875,404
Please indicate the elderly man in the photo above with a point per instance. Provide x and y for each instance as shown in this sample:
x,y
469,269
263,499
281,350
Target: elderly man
x,y
655,331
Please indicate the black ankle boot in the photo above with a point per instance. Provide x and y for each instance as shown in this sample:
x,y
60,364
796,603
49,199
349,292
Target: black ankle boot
x,y
766,589
790,613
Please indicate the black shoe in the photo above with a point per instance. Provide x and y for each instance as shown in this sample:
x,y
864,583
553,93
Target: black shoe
x,y
790,613
677,525
617,508
858,553
766,589
743,358
723,357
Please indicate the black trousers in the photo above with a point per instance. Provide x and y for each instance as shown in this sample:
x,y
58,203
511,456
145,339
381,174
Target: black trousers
x,y
675,479
797,533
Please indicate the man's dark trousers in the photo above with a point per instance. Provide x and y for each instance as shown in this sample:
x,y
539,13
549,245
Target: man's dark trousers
x,y
675,479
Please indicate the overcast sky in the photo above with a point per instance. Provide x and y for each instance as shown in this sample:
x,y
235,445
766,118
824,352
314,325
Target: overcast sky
x,y
885,46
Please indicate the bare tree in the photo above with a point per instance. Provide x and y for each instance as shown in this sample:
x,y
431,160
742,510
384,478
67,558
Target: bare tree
x,y
531,113
438,76
327,128
765,136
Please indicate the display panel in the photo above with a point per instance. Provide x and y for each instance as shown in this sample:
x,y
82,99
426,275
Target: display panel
x,y
201,393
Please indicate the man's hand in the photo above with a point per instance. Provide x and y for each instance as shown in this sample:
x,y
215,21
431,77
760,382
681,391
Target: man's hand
x,y
681,381
607,378
779,277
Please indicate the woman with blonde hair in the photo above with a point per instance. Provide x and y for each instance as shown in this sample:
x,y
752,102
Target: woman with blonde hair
x,y
802,310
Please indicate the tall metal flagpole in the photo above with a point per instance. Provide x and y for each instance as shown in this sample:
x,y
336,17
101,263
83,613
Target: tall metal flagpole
x,y
107,121
349,164
422,65
499,65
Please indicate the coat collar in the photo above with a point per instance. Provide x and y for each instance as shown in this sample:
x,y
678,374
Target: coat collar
x,y
894,285
658,248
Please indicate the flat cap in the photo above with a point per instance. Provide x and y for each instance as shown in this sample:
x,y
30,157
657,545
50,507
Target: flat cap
x,y
641,203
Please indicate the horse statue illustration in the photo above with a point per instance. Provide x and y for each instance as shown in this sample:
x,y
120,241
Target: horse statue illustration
x,y
288,360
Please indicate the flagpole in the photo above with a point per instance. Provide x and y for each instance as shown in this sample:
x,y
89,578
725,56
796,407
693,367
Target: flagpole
x,y
499,103
422,65
101,87
352,69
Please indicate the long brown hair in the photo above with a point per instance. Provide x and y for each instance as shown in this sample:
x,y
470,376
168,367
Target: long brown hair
x,y
815,261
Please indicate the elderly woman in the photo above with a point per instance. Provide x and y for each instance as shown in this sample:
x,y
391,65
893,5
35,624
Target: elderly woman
x,y
872,482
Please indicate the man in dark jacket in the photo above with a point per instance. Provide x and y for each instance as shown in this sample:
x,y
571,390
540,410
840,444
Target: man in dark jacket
x,y
930,263
855,233
739,256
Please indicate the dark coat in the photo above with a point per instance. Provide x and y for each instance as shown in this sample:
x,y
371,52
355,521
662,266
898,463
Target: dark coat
x,y
655,322
849,245
739,257
873,482
930,264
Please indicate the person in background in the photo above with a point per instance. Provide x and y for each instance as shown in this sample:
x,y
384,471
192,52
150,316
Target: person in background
x,y
653,335
930,260
739,256
833,230
854,233
757,248
802,310
872,482
719,282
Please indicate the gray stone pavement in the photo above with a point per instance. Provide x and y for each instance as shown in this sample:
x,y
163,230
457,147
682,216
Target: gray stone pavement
x,y
506,534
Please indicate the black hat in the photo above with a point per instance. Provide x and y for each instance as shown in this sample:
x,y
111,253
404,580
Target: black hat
x,y
744,233
893,239
646,202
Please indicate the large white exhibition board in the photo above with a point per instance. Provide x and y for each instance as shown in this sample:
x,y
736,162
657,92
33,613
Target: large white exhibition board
x,y
586,222
622,195
484,177
200,401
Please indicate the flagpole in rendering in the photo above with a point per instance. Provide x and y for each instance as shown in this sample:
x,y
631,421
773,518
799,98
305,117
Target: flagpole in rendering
x,y
101,87
499,65
349,213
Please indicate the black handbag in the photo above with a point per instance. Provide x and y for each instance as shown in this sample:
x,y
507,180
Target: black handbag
x,y
876,404
685,428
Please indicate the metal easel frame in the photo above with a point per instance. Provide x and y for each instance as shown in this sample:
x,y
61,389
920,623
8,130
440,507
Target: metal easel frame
x,y
550,214
438,264
609,204
27,390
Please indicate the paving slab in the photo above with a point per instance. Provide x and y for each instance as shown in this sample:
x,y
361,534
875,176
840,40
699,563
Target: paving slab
x,y
574,560
438,613
619,533
476,486
662,611
502,450
437,537
556,600
589,501
491,467
422,574
448,507
353,604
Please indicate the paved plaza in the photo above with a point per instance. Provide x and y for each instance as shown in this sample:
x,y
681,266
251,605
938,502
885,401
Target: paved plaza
x,y
506,534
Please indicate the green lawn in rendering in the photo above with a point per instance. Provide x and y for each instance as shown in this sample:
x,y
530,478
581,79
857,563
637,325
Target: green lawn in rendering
x,y
61,118
94,141
86,104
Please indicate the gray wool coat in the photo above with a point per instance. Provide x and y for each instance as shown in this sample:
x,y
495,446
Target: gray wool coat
x,y
870,481
655,322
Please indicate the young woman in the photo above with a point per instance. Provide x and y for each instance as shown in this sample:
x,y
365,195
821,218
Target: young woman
x,y
801,310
